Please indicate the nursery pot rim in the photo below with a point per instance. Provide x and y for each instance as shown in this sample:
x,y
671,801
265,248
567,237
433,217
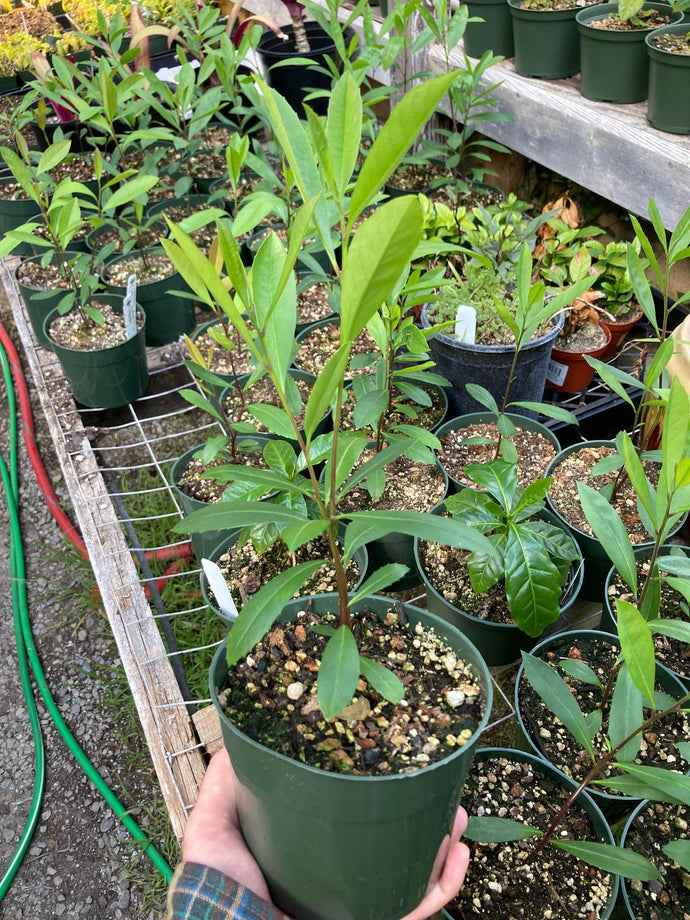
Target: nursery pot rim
x,y
530,13
343,777
601,10
102,351
156,249
683,60
549,336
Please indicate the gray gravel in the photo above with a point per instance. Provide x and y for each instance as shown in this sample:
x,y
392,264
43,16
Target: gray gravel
x,y
81,862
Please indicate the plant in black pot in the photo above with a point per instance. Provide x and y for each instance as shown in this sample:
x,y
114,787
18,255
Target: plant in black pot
x,y
302,875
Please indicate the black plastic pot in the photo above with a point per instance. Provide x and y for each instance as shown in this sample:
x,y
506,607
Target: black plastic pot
x,y
614,63
668,108
495,32
107,378
334,846
613,805
296,80
489,366
499,644
547,43
168,314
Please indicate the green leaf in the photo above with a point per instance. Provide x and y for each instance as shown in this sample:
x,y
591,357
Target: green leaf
x,y
637,647
679,852
532,582
580,671
55,154
486,829
366,526
382,577
396,136
130,190
675,629
276,420
635,788
343,130
611,533
339,672
380,250
382,679
229,515
276,308
377,462
264,607
626,715
556,694
296,535
638,478
482,396
610,858
666,781
325,389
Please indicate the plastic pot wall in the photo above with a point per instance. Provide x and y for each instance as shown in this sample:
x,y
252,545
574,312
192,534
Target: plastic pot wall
x,y
668,108
547,44
38,308
337,847
613,63
107,378
494,33
569,372
489,366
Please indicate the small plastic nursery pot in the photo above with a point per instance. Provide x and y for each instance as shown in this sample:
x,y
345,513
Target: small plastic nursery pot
x,y
361,557
334,846
668,108
546,41
495,32
168,314
584,800
608,616
614,63
14,211
39,307
498,643
109,377
489,365
568,371
484,418
618,331
613,805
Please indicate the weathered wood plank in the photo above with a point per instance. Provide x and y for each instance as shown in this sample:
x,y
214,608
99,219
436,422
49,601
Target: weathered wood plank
x,y
610,149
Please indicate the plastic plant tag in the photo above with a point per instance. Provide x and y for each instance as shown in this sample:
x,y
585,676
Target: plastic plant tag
x,y
219,587
466,324
556,373
129,307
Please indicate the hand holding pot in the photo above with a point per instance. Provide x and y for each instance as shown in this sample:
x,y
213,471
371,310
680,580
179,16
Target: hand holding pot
x,y
213,839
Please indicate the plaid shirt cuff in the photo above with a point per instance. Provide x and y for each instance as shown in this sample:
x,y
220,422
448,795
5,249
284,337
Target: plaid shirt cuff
x,y
201,893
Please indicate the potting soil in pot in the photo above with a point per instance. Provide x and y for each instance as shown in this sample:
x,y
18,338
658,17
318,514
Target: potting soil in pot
x,y
426,417
220,360
194,483
410,486
263,391
477,444
271,696
72,331
500,882
321,342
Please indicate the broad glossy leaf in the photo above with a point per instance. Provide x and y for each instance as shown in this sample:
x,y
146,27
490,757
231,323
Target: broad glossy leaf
x,y
343,130
382,679
383,577
573,667
555,692
339,672
532,583
273,418
130,190
637,647
296,535
610,858
626,715
498,477
366,526
609,530
487,829
276,309
55,154
264,607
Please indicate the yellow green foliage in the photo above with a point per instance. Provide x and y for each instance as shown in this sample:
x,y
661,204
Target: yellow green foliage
x,y
15,51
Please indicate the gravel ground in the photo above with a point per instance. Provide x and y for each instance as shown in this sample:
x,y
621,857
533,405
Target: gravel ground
x,y
81,862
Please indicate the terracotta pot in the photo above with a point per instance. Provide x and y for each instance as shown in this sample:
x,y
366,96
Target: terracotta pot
x,y
568,370
618,332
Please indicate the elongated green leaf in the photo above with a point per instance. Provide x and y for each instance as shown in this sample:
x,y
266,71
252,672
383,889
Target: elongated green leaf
x,y
264,607
382,679
378,462
675,629
55,154
269,480
339,672
394,139
637,647
276,310
626,715
381,248
499,478
343,130
196,399
666,781
556,694
615,378
487,829
679,851
228,515
675,429
573,667
532,582
130,190
383,577
610,858
635,788
640,284
366,526
638,478
325,389
609,530
273,418
555,412
483,397
296,535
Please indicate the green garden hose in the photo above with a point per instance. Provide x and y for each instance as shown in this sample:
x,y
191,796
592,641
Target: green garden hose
x,y
28,656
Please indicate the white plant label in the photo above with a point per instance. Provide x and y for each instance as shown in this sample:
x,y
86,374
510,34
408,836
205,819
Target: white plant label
x,y
556,373
129,307
466,324
219,587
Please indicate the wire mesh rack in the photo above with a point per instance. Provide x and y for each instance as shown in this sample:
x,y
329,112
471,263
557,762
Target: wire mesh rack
x,y
116,465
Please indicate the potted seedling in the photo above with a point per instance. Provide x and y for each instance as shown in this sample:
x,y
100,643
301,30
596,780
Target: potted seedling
x,y
668,50
301,875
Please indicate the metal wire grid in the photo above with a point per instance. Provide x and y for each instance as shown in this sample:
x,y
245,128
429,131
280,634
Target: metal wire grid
x,y
99,452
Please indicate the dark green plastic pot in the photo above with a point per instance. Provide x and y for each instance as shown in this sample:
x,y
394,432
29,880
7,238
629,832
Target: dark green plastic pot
x,y
39,307
547,43
498,643
110,377
597,561
169,315
586,803
494,33
484,418
489,366
613,805
668,108
614,64
15,212
608,616
339,847
360,555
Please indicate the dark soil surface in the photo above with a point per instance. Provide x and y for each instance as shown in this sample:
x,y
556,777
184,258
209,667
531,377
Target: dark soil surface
x,y
477,444
675,44
410,486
